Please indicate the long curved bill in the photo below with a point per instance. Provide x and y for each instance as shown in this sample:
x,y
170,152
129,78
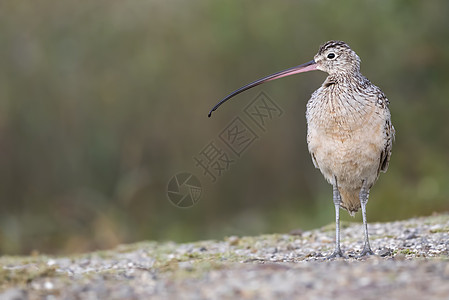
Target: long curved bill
x,y
308,66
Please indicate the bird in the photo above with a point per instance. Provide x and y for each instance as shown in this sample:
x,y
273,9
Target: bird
x,y
349,130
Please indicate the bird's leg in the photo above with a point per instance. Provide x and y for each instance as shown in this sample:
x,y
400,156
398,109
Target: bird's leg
x,y
337,200
364,194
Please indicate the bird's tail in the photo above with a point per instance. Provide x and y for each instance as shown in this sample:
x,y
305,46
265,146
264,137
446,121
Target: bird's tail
x,y
350,200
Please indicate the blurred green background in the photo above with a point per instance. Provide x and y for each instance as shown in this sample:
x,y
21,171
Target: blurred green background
x,y
102,102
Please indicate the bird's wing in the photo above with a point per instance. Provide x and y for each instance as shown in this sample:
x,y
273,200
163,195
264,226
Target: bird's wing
x,y
386,153
389,133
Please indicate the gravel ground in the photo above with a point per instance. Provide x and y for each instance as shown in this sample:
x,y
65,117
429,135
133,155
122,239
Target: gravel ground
x,y
411,262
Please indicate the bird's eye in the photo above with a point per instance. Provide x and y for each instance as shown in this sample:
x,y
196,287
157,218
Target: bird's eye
x,y
331,55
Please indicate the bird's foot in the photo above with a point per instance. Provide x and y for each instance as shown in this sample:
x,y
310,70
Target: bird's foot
x,y
366,251
337,253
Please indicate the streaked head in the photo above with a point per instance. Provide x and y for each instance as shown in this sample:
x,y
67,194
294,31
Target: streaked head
x,y
337,57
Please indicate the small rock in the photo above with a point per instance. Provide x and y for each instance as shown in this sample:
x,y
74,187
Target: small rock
x,y
233,240
311,254
290,247
384,252
51,262
411,236
297,232
48,285
272,250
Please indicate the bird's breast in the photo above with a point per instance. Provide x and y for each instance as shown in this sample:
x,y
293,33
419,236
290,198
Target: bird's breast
x,y
339,113
344,134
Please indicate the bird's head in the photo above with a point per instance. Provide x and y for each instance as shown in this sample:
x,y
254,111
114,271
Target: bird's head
x,y
333,57
337,57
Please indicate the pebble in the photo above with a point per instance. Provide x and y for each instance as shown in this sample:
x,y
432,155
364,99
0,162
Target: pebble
x,y
384,252
233,240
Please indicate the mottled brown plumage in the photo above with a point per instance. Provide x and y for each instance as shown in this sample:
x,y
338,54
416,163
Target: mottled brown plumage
x,y
349,130
349,116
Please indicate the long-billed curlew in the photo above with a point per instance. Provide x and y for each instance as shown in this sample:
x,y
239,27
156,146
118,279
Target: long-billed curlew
x,y
349,130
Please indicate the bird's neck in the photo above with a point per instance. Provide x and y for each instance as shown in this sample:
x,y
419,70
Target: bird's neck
x,y
343,78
